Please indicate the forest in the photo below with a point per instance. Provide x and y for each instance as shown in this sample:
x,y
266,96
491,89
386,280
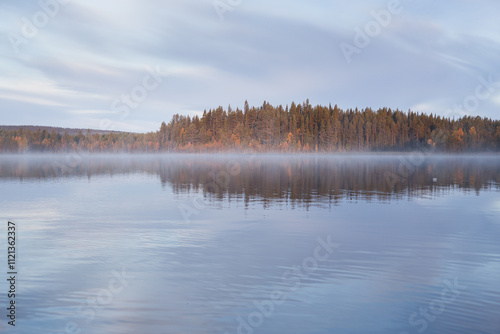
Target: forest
x,y
294,128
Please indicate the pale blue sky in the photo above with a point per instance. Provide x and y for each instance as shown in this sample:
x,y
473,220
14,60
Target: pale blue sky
x,y
84,56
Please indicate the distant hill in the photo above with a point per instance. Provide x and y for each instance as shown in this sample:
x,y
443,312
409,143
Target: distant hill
x,y
61,131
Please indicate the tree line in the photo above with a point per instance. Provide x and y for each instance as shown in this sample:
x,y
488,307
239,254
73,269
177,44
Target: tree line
x,y
294,128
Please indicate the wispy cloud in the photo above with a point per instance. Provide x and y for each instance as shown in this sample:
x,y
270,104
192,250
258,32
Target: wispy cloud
x,y
92,52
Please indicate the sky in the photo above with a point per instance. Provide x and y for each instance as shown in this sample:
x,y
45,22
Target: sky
x,y
129,65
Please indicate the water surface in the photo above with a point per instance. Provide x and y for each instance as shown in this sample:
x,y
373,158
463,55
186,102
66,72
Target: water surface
x,y
236,244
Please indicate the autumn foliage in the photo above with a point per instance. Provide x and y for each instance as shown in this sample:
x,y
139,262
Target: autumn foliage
x,y
298,128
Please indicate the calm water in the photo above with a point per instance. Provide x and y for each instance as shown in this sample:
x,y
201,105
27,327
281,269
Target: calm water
x,y
253,244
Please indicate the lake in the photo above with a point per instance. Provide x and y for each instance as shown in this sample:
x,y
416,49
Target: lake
x,y
252,243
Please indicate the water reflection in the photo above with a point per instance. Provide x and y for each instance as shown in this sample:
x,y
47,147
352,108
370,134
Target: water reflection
x,y
295,179
84,218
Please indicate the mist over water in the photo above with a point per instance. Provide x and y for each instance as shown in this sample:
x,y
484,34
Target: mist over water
x,y
277,177
243,243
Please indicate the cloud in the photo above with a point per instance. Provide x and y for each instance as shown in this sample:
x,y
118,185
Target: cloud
x,y
30,99
91,112
92,52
